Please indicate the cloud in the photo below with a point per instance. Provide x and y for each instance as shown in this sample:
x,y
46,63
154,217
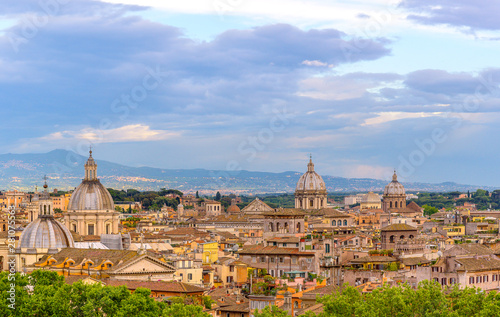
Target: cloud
x,y
316,63
472,14
88,135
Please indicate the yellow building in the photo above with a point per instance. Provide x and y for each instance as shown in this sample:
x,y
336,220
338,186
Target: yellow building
x,y
454,231
61,202
210,252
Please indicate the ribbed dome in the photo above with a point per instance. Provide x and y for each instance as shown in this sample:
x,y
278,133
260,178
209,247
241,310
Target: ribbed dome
x,y
46,233
394,187
91,194
310,180
371,197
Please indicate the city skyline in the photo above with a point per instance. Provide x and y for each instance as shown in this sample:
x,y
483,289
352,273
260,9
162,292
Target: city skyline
x,y
366,88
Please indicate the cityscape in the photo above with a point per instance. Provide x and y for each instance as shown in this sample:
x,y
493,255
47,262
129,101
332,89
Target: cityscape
x,y
234,158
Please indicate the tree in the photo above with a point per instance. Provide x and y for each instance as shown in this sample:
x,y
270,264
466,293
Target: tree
x,y
428,210
197,195
271,311
181,310
218,196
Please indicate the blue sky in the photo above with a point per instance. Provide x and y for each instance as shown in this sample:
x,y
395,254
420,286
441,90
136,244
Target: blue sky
x,y
365,86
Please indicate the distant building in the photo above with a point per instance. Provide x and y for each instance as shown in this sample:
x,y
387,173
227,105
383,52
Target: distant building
x,y
310,192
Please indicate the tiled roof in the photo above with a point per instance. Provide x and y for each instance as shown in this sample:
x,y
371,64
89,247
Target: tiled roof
x,y
286,212
415,261
259,249
95,255
240,308
481,264
399,227
374,259
173,286
474,248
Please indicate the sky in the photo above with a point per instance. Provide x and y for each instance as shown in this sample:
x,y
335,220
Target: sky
x,y
364,86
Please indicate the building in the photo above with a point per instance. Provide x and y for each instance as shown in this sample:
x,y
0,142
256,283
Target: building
x,y
99,263
284,222
394,197
43,236
212,208
256,207
392,234
91,210
310,192
370,201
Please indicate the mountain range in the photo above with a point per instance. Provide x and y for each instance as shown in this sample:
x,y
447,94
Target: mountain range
x,y
65,170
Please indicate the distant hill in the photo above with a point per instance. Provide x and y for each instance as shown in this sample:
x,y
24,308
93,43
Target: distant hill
x,y
65,170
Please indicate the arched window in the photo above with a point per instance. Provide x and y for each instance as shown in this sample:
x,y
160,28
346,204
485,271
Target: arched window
x,y
44,209
298,227
345,223
334,222
401,205
286,227
391,239
411,236
402,237
390,204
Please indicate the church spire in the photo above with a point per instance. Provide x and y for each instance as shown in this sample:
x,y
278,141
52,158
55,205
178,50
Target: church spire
x,y
90,168
310,166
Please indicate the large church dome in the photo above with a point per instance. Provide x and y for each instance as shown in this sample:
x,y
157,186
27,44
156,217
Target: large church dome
x,y
91,194
310,180
46,233
394,187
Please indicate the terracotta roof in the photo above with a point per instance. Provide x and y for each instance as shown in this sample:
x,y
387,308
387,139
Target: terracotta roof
x,y
240,308
332,213
286,212
374,259
414,206
415,261
173,286
399,227
474,248
481,264
259,249
95,255
284,239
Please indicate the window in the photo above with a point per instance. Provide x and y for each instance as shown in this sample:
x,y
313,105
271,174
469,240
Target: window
x,y
190,276
231,268
345,222
90,230
294,260
272,260
282,260
471,280
327,248
262,259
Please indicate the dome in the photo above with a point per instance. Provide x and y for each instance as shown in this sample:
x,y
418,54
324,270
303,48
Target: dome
x,y
233,208
46,233
91,194
371,198
394,187
310,180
